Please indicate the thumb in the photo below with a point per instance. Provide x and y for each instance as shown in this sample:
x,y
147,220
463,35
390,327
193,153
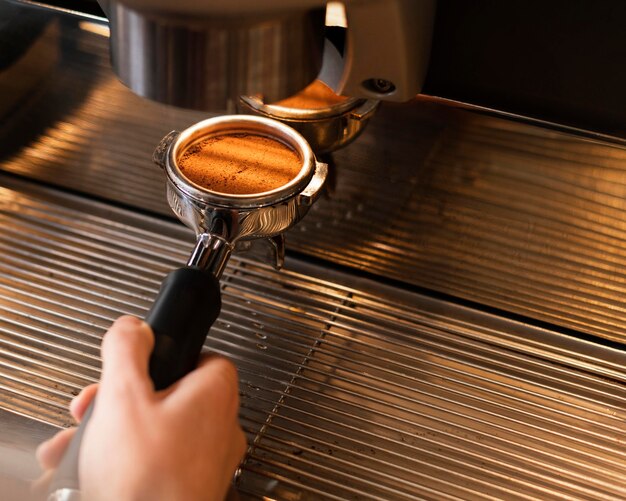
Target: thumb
x,y
126,349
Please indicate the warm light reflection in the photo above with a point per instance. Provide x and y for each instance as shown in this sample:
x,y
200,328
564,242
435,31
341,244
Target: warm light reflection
x,y
336,14
97,28
10,200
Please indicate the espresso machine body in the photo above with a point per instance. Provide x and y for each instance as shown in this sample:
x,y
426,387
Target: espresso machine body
x,y
449,319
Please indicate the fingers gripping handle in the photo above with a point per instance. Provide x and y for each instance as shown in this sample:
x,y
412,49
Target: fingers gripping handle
x,y
187,305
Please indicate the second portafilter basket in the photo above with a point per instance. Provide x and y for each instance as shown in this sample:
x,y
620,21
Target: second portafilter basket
x,y
189,299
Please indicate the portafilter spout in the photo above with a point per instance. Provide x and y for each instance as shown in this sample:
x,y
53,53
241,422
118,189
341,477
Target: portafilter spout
x,y
189,299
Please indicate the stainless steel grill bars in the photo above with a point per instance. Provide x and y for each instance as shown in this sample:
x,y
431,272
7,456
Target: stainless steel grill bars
x,y
349,389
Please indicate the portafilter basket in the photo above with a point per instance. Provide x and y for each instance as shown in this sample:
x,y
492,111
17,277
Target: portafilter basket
x,y
189,299
327,128
221,220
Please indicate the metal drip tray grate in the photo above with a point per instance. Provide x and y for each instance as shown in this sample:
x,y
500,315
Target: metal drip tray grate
x,y
392,404
349,389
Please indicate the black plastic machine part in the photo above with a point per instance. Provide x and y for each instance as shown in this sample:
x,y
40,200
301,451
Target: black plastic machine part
x,y
182,314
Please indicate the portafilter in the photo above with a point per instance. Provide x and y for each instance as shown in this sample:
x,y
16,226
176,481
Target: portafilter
x,y
189,298
327,128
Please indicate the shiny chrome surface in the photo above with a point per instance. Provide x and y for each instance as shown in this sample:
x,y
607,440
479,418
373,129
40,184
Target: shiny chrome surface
x,y
221,220
349,389
206,62
175,146
592,135
211,253
65,495
496,212
326,129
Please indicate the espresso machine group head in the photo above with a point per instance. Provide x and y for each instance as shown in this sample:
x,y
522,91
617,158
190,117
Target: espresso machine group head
x,y
205,54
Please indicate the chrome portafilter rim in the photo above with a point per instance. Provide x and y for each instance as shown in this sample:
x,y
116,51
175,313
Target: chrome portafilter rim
x,y
285,112
222,220
240,124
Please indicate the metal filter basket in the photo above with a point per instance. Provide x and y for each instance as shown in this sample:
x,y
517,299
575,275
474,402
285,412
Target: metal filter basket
x,y
326,129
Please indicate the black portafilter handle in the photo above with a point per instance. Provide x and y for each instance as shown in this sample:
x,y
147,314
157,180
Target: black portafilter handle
x,y
188,303
182,314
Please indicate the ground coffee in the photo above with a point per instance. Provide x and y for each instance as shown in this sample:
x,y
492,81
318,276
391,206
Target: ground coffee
x,y
316,96
240,164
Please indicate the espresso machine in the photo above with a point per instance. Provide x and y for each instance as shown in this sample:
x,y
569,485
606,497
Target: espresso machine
x,y
448,319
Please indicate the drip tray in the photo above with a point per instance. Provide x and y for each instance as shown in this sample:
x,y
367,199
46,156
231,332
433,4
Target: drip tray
x,y
350,389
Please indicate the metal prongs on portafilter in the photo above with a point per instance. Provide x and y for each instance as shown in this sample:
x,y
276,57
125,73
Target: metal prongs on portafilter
x,y
223,220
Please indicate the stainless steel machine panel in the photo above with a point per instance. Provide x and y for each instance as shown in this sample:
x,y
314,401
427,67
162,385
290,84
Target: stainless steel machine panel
x,y
503,214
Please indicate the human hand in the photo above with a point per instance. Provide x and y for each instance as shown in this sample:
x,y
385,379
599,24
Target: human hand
x,y
184,442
